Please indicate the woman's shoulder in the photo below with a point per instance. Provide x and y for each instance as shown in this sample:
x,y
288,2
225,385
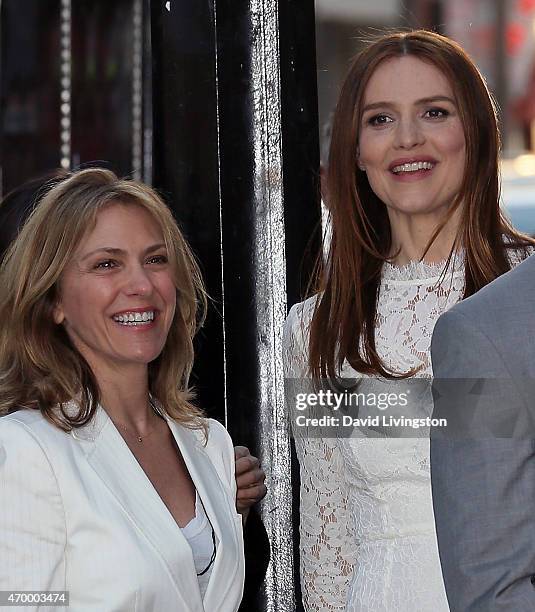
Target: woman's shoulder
x,y
517,254
27,421
217,444
300,314
210,434
30,429
297,324
217,433
27,436
296,336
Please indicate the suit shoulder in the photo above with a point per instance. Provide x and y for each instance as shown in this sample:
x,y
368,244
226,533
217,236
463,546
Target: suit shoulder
x,y
214,439
26,422
25,440
500,295
24,416
217,434
220,450
28,433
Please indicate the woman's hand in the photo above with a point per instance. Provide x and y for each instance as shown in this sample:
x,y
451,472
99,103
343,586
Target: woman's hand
x,y
249,480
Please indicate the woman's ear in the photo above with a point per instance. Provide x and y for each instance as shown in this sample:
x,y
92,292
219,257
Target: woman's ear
x,y
360,165
58,314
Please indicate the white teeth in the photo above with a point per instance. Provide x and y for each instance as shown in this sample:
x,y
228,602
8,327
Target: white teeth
x,y
135,318
413,167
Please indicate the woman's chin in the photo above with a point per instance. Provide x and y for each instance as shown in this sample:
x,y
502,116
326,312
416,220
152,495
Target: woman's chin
x,y
139,358
415,208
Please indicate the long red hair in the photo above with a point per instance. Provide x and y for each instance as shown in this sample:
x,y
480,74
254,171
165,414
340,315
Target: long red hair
x,y
343,323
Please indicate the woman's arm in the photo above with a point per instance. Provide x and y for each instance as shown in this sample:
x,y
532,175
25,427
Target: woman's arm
x,y
326,545
32,519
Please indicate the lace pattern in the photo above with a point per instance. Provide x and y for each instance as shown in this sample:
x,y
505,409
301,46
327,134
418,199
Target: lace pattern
x,y
327,549
367,532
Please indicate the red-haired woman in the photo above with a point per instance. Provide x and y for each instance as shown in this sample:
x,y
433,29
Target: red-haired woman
x,y
416,226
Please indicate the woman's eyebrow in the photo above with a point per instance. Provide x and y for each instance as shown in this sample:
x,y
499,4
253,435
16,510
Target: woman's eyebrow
x,y
116,251
428,100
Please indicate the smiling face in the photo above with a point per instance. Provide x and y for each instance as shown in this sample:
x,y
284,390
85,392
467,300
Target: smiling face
x,y
117,295
411,143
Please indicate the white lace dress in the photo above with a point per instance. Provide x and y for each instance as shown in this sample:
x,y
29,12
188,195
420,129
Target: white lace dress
x,y
367,531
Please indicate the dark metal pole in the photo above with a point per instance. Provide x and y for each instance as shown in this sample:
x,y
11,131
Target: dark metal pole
x,y
186,161
236,149
301,161
269,162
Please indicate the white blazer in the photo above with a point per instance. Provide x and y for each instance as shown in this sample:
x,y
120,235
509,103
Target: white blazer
x,y
77,513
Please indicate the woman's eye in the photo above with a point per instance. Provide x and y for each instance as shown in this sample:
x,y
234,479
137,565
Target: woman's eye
x,y
378,120
436,113
106,264
158,259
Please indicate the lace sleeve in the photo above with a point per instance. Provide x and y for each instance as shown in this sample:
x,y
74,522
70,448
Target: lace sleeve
x,y
326,546
517,256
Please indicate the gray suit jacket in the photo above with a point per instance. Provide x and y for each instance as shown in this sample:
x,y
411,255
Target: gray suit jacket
x,y
483,470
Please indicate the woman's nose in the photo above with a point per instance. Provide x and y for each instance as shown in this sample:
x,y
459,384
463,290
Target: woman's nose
x,y
408,134
138,281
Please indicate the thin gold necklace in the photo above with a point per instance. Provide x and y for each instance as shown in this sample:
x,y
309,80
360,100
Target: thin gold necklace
x,y
137,436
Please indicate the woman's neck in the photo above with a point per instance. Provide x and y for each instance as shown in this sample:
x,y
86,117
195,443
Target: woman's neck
x,y
125,397
411,235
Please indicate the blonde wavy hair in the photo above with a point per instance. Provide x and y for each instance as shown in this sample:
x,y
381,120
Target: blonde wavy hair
x,y
39,366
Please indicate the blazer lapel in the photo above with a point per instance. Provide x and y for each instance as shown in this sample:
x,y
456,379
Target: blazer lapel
x,y
221,512
112,460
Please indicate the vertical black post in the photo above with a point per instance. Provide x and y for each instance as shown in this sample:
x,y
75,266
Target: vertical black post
x,y
186,159
300,142
236,150
300,146
269,161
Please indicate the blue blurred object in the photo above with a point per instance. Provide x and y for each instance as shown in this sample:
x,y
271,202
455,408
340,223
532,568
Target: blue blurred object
x,y
518,200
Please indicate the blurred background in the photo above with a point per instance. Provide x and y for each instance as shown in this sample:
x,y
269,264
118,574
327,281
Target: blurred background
x,y
71,80
75,79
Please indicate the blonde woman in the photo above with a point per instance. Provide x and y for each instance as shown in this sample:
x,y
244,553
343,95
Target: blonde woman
x,y
114,487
